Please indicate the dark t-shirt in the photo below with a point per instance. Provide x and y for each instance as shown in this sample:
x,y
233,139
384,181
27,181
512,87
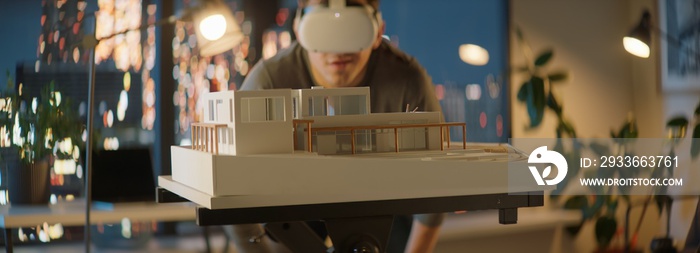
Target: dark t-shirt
x,y
395,79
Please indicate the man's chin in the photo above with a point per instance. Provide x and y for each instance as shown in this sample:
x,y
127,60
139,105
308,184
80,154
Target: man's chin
x,y
340,82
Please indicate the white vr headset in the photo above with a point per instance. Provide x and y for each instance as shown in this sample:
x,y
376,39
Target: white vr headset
x,y
338,28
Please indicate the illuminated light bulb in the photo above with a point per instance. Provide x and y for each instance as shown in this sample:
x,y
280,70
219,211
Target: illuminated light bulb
x,y
213,27
127,81
34,105
636,47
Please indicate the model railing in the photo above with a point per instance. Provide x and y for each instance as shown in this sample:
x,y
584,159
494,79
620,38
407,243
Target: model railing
x,y
442,127
205,137
308,122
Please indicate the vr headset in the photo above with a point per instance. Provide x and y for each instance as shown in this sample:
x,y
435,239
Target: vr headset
x,y
338,28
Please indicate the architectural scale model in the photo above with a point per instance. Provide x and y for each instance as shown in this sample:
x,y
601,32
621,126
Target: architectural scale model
x,y
284,146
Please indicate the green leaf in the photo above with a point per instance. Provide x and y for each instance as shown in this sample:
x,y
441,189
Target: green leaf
x,y
661,201
556,77
573,203
695,143
628,130
536,101
524,91
544,57
605,228
573,230
679,121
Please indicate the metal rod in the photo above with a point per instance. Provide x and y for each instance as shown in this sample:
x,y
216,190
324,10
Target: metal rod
x,y
396,139
308,135
352,137
464,136
89,142
442,138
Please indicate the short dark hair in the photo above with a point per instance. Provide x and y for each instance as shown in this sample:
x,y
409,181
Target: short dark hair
x,y
373,3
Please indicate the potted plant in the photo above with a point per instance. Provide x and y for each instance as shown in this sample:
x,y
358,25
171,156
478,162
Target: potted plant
x,y
33,133
537,94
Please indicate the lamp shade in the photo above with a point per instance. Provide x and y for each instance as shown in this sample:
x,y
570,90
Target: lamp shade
x,y
638,40
216,29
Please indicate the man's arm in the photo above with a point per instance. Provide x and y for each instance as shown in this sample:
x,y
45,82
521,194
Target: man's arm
x,y
426,227
424,232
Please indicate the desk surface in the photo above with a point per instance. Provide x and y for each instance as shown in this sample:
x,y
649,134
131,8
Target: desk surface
x,y
73,213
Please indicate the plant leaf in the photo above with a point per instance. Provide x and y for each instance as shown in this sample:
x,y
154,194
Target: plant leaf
x,y
605,228
679,121
553,104
661,202
536,101
577,202
695,143
558,76
628,130
544,57
524,91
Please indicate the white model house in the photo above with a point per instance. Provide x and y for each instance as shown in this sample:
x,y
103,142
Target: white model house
x,y
245,148
261,122
249,122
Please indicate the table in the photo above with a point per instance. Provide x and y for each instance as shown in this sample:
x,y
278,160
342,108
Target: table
x,y
73,213
352,225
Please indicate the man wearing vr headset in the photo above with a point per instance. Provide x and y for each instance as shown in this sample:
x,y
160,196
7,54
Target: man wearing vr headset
x,y
341,45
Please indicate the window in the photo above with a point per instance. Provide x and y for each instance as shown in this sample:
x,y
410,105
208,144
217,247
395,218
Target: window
x,y
294,108
262,109
338,105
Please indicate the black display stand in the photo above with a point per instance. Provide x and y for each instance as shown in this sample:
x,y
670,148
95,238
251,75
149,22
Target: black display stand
x,y
361,226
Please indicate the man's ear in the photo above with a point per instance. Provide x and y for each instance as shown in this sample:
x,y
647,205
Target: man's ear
x,y
380,33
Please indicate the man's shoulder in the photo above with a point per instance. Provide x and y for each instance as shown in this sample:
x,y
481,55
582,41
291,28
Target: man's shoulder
x,y
287,69
288,57
395,63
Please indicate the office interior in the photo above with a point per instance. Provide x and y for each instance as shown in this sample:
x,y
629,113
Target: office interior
x,y
148,85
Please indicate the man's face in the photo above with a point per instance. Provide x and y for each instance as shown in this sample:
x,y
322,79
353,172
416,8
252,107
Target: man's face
x,y
340,70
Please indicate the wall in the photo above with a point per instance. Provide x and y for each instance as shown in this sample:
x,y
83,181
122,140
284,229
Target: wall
x,y
587,40
605,85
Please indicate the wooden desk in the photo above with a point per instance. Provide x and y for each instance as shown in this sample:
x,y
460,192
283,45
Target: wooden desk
x,y
73,213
